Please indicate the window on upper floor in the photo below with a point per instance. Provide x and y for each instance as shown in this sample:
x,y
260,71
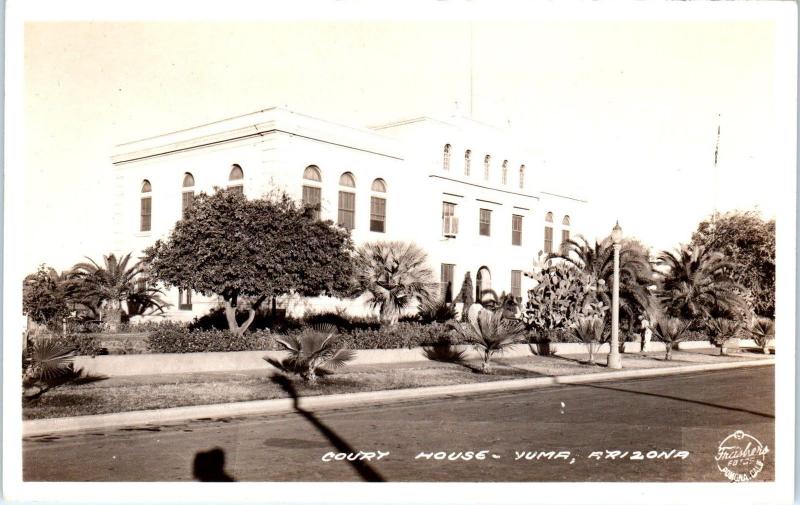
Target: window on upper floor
x,y
347,202
486,162
485,222
236,179
522,177
516,229
187,195
377,207
312,190
446,160
449,220
467,161
548,233
565,231
146,207
504,173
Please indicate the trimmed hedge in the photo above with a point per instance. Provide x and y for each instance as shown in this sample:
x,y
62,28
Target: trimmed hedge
x,y
178,338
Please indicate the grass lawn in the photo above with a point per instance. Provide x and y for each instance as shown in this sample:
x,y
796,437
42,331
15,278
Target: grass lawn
x,y
121,394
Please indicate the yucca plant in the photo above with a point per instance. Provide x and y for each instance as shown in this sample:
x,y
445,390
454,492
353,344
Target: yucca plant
x,y
589,330
762,329
720,330
490,333
46,364
311,352
671,331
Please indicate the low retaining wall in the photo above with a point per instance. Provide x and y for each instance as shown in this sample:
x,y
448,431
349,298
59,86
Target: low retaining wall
x,y
150,364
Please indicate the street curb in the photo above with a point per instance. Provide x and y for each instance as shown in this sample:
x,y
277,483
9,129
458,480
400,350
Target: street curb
x,y
312,403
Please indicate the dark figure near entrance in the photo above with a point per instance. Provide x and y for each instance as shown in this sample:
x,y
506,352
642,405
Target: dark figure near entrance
x,y
209,466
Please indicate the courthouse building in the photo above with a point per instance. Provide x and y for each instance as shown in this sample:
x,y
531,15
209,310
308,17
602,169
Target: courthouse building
x,y
469,194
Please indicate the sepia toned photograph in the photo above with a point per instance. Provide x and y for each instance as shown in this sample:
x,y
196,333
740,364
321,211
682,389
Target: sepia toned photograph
x,y
474,254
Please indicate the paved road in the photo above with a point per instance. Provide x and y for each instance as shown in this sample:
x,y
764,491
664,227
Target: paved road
x,y
691,413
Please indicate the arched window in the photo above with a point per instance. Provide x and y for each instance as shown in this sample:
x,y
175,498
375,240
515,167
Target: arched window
x,y
312,190
379,186
236,179
187,196
505,172
446,161
548,233
348,180
311,173
467,160
565,230
347,202
377,207
146,208
522,177
483,286
486,161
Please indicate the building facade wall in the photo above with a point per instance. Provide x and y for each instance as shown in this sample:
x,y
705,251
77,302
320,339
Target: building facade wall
x,y
409,157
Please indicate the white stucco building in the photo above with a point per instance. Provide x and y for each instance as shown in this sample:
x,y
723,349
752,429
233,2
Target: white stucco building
x,y
469,194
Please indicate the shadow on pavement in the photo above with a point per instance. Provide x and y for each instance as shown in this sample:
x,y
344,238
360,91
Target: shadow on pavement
x,y
209,466
367,473
677,398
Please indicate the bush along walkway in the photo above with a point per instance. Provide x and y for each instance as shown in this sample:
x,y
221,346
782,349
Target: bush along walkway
x,y
148,392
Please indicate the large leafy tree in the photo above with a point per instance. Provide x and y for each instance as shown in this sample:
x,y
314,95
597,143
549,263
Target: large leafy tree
x,y
395,276
596,261
44,295
250,251
748,242
696,284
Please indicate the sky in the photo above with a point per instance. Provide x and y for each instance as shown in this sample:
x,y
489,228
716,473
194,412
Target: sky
x,y
626,112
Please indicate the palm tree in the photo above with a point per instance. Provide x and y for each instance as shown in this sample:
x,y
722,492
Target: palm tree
x,y
489,332
395,276
310,352
762,329
45,364
589,330
106,287
696,284
721,330
671,331
597,263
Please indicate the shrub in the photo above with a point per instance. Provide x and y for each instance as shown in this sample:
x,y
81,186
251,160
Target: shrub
x,y
178,338
398,336
312,352
490,333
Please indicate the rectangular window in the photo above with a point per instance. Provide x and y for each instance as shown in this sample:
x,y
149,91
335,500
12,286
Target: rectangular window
x,y
447,282
184,299
516,285
564,237
146,214
312,197
186,202
516,230
347,210
377,214
485,228
548,239
449,220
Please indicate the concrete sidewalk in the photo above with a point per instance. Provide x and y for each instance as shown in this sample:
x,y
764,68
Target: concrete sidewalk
x,y
317,403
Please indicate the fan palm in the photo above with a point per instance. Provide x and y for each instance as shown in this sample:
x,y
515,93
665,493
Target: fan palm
x,y
396,277
489,332
696,284
671,331
107,286
45,363
589,330
762,329
721,330
597,263
310,352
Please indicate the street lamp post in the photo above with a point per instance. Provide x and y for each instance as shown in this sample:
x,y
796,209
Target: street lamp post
x,y
614,359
